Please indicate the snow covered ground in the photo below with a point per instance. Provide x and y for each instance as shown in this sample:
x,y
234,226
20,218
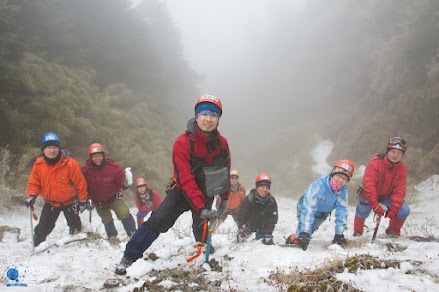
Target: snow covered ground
x,y
85,265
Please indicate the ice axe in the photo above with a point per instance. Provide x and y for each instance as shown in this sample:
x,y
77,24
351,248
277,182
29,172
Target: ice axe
x,y
212,226
377,225
33,216
200,245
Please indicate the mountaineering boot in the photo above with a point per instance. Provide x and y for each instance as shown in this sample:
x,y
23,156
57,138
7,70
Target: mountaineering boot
x,y
113,240
292,239
129,225
358,226
110,229
121,268
394,228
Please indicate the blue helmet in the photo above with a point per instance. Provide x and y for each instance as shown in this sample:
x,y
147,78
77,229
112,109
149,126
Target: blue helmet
x,y
50,139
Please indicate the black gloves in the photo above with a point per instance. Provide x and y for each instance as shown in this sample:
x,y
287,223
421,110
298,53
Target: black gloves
x,y
30,201
340,240
303,240
268,240
208,214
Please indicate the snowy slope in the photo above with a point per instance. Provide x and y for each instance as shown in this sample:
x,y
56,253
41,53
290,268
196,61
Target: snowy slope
x,y
88,263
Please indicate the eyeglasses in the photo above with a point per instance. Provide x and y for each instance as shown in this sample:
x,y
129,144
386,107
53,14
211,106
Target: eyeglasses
x,y
397,140
341,177
234,177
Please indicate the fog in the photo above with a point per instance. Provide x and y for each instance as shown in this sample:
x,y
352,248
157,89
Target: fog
x,y
268,63
252,55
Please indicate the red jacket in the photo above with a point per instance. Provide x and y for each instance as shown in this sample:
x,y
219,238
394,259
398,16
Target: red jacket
x,y
181,160
154,201
104,182
382,179
57,184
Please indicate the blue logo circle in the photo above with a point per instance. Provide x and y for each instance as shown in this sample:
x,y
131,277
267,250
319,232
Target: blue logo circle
x,y
12,274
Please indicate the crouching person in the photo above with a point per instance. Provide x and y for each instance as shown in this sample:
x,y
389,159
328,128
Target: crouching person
x,y
258,212
105,180
323,196
201,160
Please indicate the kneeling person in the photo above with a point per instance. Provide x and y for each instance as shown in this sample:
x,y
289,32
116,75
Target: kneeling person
x,y
258,212
323,196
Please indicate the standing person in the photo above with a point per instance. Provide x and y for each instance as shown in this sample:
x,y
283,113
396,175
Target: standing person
x,y
258,212
106,179
201,160
324,195
147,200
384,184
58,179
236,196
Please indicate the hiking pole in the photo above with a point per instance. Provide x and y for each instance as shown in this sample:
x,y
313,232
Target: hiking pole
x,y
376,228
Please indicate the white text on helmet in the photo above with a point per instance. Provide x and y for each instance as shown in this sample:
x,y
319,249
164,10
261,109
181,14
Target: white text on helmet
x,y
95,149
209,96
346,166
50,137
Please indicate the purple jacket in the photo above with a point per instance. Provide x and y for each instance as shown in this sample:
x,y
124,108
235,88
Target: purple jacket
x,y
104,182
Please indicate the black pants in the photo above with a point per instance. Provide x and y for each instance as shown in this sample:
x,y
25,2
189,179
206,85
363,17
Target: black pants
x,y
170,209
48,218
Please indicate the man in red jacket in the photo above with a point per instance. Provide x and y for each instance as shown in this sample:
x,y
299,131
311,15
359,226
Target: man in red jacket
x,y
384,189
201,160
105,180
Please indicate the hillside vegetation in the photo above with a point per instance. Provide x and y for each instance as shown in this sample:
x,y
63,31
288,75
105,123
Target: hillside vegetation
x,y
91,71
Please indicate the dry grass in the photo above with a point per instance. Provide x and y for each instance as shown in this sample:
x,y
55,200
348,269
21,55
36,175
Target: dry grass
x,y
323,279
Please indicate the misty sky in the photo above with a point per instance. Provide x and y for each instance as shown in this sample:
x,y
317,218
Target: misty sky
x,y
263,59
220,38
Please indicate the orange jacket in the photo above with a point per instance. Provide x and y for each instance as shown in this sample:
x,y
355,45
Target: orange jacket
x,y
236,197
57,184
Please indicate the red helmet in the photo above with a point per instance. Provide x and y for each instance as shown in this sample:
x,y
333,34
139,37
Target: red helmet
x,y
140,182
262,177
344,166
95,148
397,143
263,180
212,99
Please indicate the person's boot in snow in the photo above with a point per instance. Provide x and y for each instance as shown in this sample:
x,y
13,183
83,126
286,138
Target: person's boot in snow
x,y
121,268
129,225
358,226
394,229
110,229
113,240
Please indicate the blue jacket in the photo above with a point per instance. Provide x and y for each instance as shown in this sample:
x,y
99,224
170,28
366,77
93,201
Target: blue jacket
x,y
318,201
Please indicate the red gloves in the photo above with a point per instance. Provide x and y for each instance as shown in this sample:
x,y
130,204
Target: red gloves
x,y
391,214
378,210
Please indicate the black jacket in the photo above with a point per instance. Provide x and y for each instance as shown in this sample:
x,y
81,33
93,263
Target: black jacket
x,y
258,215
